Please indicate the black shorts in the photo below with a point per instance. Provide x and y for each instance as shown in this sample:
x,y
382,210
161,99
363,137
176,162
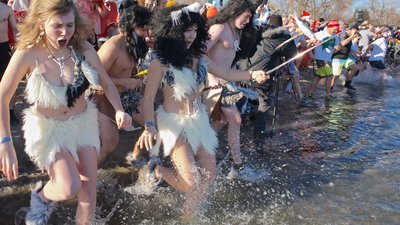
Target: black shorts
x,y
377,64
5,56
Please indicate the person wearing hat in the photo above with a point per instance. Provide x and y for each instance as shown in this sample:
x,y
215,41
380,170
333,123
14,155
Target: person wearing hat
x,y
323,57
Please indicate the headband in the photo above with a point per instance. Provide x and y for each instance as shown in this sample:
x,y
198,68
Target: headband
x,y
176,15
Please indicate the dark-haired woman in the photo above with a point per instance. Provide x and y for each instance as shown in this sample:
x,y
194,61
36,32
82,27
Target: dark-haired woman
x,y
182,122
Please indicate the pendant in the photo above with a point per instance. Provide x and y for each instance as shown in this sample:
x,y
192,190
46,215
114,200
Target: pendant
x,y
236,45
61,63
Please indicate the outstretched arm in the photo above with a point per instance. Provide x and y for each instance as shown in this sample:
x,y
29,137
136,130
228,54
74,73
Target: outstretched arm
x,y
122,119
236,75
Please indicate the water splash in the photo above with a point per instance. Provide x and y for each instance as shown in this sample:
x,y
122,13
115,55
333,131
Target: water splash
x,y
146,183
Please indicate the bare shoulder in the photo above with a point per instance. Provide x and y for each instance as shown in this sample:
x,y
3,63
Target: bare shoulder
x,y
116,41
26,55
216,29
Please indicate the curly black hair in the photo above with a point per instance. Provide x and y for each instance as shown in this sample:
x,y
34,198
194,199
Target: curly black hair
x,y
130,18
234,9
169,40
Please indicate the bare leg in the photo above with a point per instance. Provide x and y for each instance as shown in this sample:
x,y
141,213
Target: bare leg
x,y
234,120
139,119
184,175
207,167
296,86
191,174
352,72
314,84
64,180
109,137
217,125
328,82
87,193
334,78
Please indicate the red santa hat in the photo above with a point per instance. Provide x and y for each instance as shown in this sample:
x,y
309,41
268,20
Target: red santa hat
x,y
333,23
306,15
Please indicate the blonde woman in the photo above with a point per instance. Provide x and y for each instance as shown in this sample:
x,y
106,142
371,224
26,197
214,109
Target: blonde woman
x,y
61,127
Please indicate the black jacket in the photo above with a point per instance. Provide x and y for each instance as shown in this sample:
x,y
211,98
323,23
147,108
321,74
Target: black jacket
x,y
266,56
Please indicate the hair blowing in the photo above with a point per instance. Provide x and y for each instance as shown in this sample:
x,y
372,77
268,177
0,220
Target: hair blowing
x,y
41,11
233,9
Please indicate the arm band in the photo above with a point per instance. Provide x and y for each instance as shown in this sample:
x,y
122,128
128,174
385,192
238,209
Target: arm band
x,y
5,139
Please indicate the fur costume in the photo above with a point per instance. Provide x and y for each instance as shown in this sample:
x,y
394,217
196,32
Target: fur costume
x,y
194,127
39,211
41,92
44,137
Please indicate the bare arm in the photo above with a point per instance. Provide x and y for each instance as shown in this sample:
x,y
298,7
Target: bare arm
x,y
16,70
108,54
111,92
13,23
154,77
236,75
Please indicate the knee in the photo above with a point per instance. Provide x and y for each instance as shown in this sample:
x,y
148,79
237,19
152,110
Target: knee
x,y
190,185
235,121
109,142
69,188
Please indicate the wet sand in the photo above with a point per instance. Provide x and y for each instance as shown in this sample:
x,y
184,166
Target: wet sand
x,y
292,139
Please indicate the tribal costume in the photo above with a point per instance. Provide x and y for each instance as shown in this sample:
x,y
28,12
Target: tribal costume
x,y
194,127
46,136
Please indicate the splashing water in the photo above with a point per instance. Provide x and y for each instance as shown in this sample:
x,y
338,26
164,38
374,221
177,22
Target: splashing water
x,y
146,183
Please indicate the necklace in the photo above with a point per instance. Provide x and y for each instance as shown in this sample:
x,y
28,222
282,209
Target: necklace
x,y
60,61
235,34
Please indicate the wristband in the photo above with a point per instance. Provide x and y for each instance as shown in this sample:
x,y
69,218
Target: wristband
x,y
5,139
149,124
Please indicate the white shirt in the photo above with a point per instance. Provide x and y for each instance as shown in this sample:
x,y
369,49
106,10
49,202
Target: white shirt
x,y
325,51
364,41
378,52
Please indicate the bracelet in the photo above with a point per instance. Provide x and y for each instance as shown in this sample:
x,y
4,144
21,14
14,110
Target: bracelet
x,y
5,139
149,124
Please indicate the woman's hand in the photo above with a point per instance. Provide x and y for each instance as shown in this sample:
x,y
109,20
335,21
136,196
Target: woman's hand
x,y
147,138
260,76
8,161
122,119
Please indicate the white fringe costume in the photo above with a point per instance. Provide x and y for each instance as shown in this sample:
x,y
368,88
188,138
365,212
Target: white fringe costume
x,y
195,128
44,137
